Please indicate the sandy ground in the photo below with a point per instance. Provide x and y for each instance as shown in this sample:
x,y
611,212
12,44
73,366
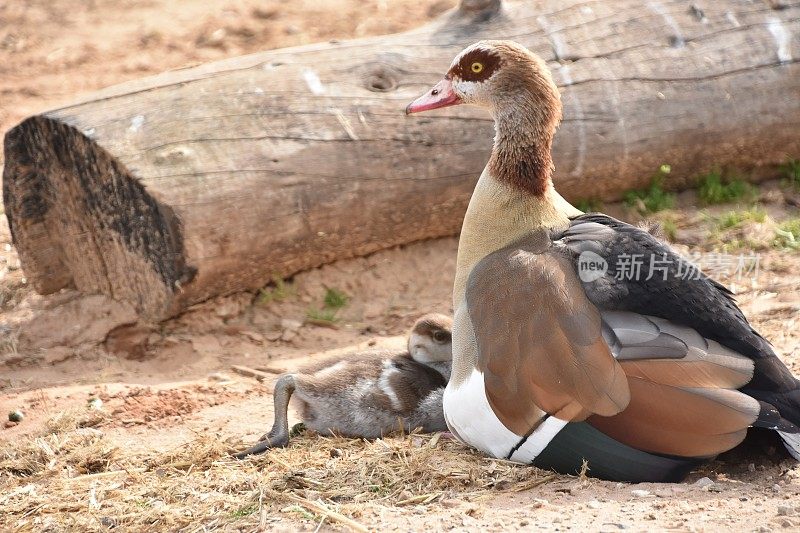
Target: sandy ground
x,y
164,385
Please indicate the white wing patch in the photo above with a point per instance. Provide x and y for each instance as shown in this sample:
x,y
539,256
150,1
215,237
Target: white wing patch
x,y
385,385
538,440
469,416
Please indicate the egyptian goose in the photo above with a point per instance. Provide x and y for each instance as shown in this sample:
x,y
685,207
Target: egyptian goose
x,y
643,377
370,394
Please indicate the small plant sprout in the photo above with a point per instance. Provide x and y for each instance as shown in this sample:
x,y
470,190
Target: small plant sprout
x,y
791,171
654,198
733,219
333,301
589,205
277,291
714,189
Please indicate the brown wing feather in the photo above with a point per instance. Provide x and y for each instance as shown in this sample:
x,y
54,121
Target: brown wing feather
x,y
539,338
688,422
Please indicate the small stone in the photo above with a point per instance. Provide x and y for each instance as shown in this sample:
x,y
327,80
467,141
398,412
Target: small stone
x,y
450,503
273,335
95,404
16,416
703,483
751,467
336,452
785,510
218,376
291,325
9,424
539,502
288,335
776,488
594,504
639,493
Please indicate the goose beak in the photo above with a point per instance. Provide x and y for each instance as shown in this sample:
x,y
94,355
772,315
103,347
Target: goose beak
x,y
442,95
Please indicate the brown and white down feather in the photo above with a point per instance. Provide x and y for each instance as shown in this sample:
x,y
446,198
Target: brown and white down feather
x,y
369,394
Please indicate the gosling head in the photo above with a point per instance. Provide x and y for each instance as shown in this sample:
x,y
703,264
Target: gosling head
x,y
431,339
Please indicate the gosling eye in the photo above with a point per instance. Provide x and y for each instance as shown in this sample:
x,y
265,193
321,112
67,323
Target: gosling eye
x,y
441,337
477,67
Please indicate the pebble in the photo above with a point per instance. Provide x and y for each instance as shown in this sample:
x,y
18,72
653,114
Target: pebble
x,y
95,403
785,510
594,504
639,493
15,416
450,503
751,467
273,335
288,335
539,502
776,488
703,483
290,324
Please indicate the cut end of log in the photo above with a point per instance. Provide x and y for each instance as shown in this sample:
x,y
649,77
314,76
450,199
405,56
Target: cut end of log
x,y
79,218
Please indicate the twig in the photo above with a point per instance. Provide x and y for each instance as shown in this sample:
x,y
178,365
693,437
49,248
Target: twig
x,y
97,475
533,484
324,511
420,498
251,372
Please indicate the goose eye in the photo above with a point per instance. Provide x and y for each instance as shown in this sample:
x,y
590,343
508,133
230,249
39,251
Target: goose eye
x,y
477,67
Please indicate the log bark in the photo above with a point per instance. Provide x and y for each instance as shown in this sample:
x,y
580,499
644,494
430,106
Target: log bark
x,y
166,191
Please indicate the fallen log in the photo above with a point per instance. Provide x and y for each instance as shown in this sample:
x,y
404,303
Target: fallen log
x,y
169,190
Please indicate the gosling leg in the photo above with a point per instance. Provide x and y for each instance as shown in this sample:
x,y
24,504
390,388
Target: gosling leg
x,y
278,436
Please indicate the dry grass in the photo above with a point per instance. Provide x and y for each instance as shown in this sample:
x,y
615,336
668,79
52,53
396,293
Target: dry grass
x,y
72,478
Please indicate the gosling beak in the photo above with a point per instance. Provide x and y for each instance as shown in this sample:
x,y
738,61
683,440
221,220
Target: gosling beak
x,y
442,95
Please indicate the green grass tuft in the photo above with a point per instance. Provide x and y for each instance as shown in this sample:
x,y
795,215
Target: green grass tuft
x,y
670,229
335,299
791,171
712,189
589,205
654,198
247,510
321,315
277,292
732,219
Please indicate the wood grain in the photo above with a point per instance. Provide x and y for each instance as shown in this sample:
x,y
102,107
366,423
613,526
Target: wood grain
x,y
169,190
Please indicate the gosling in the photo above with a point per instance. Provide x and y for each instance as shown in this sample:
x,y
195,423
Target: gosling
x,y
370,394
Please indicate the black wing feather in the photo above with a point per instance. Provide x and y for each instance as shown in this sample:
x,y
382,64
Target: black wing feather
x,y
700,303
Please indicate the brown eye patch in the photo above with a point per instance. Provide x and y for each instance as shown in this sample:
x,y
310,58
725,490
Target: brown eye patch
x,y
476,65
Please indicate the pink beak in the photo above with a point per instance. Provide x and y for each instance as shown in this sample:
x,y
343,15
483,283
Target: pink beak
x,y
442,95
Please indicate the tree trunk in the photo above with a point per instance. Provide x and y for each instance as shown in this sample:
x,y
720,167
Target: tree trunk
x,y
169,190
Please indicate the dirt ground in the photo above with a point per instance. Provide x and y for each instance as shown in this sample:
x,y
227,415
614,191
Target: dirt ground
x,y
165,388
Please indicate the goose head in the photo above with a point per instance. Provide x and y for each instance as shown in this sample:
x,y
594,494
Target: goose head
x,y
500,76
430,340
516,87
